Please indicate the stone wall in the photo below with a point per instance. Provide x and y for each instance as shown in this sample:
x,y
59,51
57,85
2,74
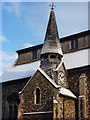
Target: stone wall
x,y
64,108
83,96
88,94
7,89
27,104
79,83
47,93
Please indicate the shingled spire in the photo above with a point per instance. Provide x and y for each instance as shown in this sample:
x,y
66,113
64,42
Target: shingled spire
x,y
52,42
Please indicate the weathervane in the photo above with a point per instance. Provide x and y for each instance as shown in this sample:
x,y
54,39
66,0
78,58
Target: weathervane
x,y
52,6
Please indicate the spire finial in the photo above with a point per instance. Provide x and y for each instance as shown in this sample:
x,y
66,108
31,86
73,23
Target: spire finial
x,y
52,6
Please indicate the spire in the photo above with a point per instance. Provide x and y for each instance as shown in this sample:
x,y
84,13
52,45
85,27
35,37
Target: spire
x,y
52,42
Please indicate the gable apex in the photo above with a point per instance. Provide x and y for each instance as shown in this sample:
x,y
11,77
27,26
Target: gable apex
x,y
48,78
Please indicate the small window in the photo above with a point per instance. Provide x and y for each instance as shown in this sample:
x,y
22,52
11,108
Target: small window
x,y
72,44
37,96
34,54
76,44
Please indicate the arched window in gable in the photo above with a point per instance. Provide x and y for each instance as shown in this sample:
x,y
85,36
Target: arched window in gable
x,y
37,96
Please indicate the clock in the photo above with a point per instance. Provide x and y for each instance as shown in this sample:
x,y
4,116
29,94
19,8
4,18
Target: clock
x,y
61,77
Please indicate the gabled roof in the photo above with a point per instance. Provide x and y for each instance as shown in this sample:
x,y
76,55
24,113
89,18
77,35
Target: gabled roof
x,y
48,78
64,91
52,42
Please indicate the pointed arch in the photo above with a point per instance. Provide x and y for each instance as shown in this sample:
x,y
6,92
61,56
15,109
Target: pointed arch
x,y
37,96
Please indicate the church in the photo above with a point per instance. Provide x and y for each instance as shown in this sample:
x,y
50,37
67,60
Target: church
x,y
50,80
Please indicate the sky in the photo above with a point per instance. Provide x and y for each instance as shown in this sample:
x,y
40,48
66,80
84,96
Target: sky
x,y
24,24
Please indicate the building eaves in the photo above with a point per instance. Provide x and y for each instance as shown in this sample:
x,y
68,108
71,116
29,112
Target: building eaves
x,y
75,36
29,49
67,92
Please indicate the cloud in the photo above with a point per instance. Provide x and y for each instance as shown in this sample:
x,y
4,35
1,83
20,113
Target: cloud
x,y
27,45
13,8
7,57
6,60
3,39
67,19
0,73
35,21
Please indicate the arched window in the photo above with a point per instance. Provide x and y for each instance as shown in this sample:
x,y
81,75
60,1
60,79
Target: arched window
x,y
37,96
13,102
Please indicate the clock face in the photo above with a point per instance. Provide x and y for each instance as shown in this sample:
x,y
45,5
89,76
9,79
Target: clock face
x,y
61,78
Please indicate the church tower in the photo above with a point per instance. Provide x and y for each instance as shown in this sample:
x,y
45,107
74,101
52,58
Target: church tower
x,y
46,95
51,54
